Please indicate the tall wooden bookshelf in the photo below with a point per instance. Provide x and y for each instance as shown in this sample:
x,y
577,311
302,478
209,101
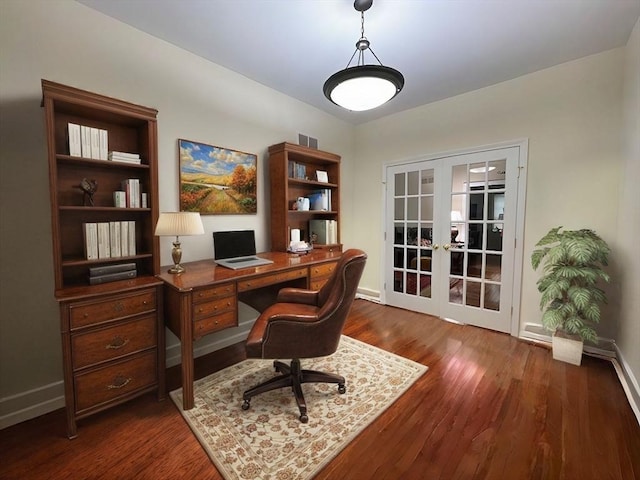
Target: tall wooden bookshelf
x,y
112,333
292,172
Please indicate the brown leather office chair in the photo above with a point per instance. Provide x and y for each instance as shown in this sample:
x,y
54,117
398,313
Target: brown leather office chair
x,y
305,324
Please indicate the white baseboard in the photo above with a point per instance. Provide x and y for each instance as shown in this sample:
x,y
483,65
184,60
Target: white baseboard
x,y
367,294
629,382
38,401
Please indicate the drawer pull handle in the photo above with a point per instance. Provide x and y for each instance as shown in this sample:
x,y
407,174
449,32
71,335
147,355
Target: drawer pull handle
x,y
117,343
119,382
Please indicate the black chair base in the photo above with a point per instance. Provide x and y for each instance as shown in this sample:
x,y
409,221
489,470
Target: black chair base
x,y
293,376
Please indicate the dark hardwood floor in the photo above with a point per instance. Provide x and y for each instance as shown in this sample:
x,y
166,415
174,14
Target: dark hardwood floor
x,y
490,407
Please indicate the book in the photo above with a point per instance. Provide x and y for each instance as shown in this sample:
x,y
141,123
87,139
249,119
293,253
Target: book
x,y
90,232
143,200
104,144
75,144
318,231
104,241
85,141
319,200
114,239
124,239
108,269
132,156
333,232
112,277
95,143
120,199
132,237
131,187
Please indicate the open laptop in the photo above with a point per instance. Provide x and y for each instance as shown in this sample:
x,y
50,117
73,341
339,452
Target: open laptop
x,y
236,249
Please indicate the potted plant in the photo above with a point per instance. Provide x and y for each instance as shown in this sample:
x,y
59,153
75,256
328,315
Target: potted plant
x,y
572,262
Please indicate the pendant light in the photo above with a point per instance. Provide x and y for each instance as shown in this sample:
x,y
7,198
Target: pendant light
x,y
363,87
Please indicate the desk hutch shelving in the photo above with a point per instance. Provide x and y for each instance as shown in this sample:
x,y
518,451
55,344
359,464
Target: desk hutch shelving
x,y
292,171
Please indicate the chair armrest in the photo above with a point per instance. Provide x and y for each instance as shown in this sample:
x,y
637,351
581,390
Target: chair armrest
x,y
298,295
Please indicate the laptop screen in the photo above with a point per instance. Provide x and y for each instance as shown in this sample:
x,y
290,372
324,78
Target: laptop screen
x,y
231,244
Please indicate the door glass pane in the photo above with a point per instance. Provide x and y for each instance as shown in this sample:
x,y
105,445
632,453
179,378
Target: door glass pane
x,y
426,208
398,233
495,210
455,290
492,296
457,263
426,181
398,257
412,283
425,286
412,258
477,175
474,267
473,290
493,268
412,208
476,206
494,236
399,184
412,234
474,237
459,178
398,211
426,234
398,281
425,260
413,183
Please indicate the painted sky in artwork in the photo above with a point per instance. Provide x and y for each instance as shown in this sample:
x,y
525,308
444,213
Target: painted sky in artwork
x,y
201,158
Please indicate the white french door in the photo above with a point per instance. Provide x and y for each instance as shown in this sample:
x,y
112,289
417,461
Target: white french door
x,y
450,228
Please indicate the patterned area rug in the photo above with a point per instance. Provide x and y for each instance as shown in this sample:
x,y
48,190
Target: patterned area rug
x,y
268,441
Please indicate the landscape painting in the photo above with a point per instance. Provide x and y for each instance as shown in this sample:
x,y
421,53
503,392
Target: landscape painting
x,y
215,180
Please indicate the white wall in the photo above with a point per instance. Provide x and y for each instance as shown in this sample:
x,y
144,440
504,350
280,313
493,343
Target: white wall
x,y
628,259
571,115
69,43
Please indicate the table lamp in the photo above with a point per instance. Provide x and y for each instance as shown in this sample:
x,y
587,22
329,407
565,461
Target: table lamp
x,y
178,223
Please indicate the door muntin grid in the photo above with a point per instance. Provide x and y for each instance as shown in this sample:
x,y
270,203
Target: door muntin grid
x,y
413,198
477,223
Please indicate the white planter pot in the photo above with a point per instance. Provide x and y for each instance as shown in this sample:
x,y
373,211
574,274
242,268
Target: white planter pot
x,y
567,348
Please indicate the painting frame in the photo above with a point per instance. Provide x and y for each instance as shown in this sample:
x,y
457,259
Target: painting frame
x,y
217,180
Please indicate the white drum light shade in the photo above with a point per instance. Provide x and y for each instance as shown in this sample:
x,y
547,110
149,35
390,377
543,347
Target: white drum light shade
x,y
363,87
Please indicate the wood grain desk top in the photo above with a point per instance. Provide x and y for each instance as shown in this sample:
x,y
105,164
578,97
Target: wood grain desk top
x,y
206,272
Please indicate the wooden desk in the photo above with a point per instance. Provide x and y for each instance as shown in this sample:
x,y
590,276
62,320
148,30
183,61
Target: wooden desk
x,y
204,299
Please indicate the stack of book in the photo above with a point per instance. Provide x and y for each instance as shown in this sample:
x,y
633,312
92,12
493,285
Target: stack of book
x,y
112,273
324,231
125,157
87,142
297,170
109,239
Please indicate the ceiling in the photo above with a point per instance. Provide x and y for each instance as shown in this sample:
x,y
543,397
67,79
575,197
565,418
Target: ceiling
x,y
442,47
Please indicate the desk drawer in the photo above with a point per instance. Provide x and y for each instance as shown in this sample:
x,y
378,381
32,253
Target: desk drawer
x,y
271,279
113,342
214,307
111,308
323,270
116,380
214,323
205,294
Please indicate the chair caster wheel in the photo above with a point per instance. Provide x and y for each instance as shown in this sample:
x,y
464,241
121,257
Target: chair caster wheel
x,y
342,388
304,418
246,404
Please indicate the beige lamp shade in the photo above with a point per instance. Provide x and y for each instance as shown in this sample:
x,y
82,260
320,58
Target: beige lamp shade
x,y
179,223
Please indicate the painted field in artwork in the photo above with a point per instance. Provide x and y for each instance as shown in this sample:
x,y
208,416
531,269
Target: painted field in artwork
x,y
216,180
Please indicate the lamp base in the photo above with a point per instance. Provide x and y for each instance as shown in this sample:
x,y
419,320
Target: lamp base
x,y
176,269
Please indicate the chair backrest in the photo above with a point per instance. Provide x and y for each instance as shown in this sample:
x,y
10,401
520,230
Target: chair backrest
x,y
316,334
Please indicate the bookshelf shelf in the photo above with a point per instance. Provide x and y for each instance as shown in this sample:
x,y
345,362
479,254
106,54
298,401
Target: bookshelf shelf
x,y
285,161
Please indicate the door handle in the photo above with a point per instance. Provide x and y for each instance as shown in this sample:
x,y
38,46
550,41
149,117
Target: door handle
x,y
446,246
436,246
